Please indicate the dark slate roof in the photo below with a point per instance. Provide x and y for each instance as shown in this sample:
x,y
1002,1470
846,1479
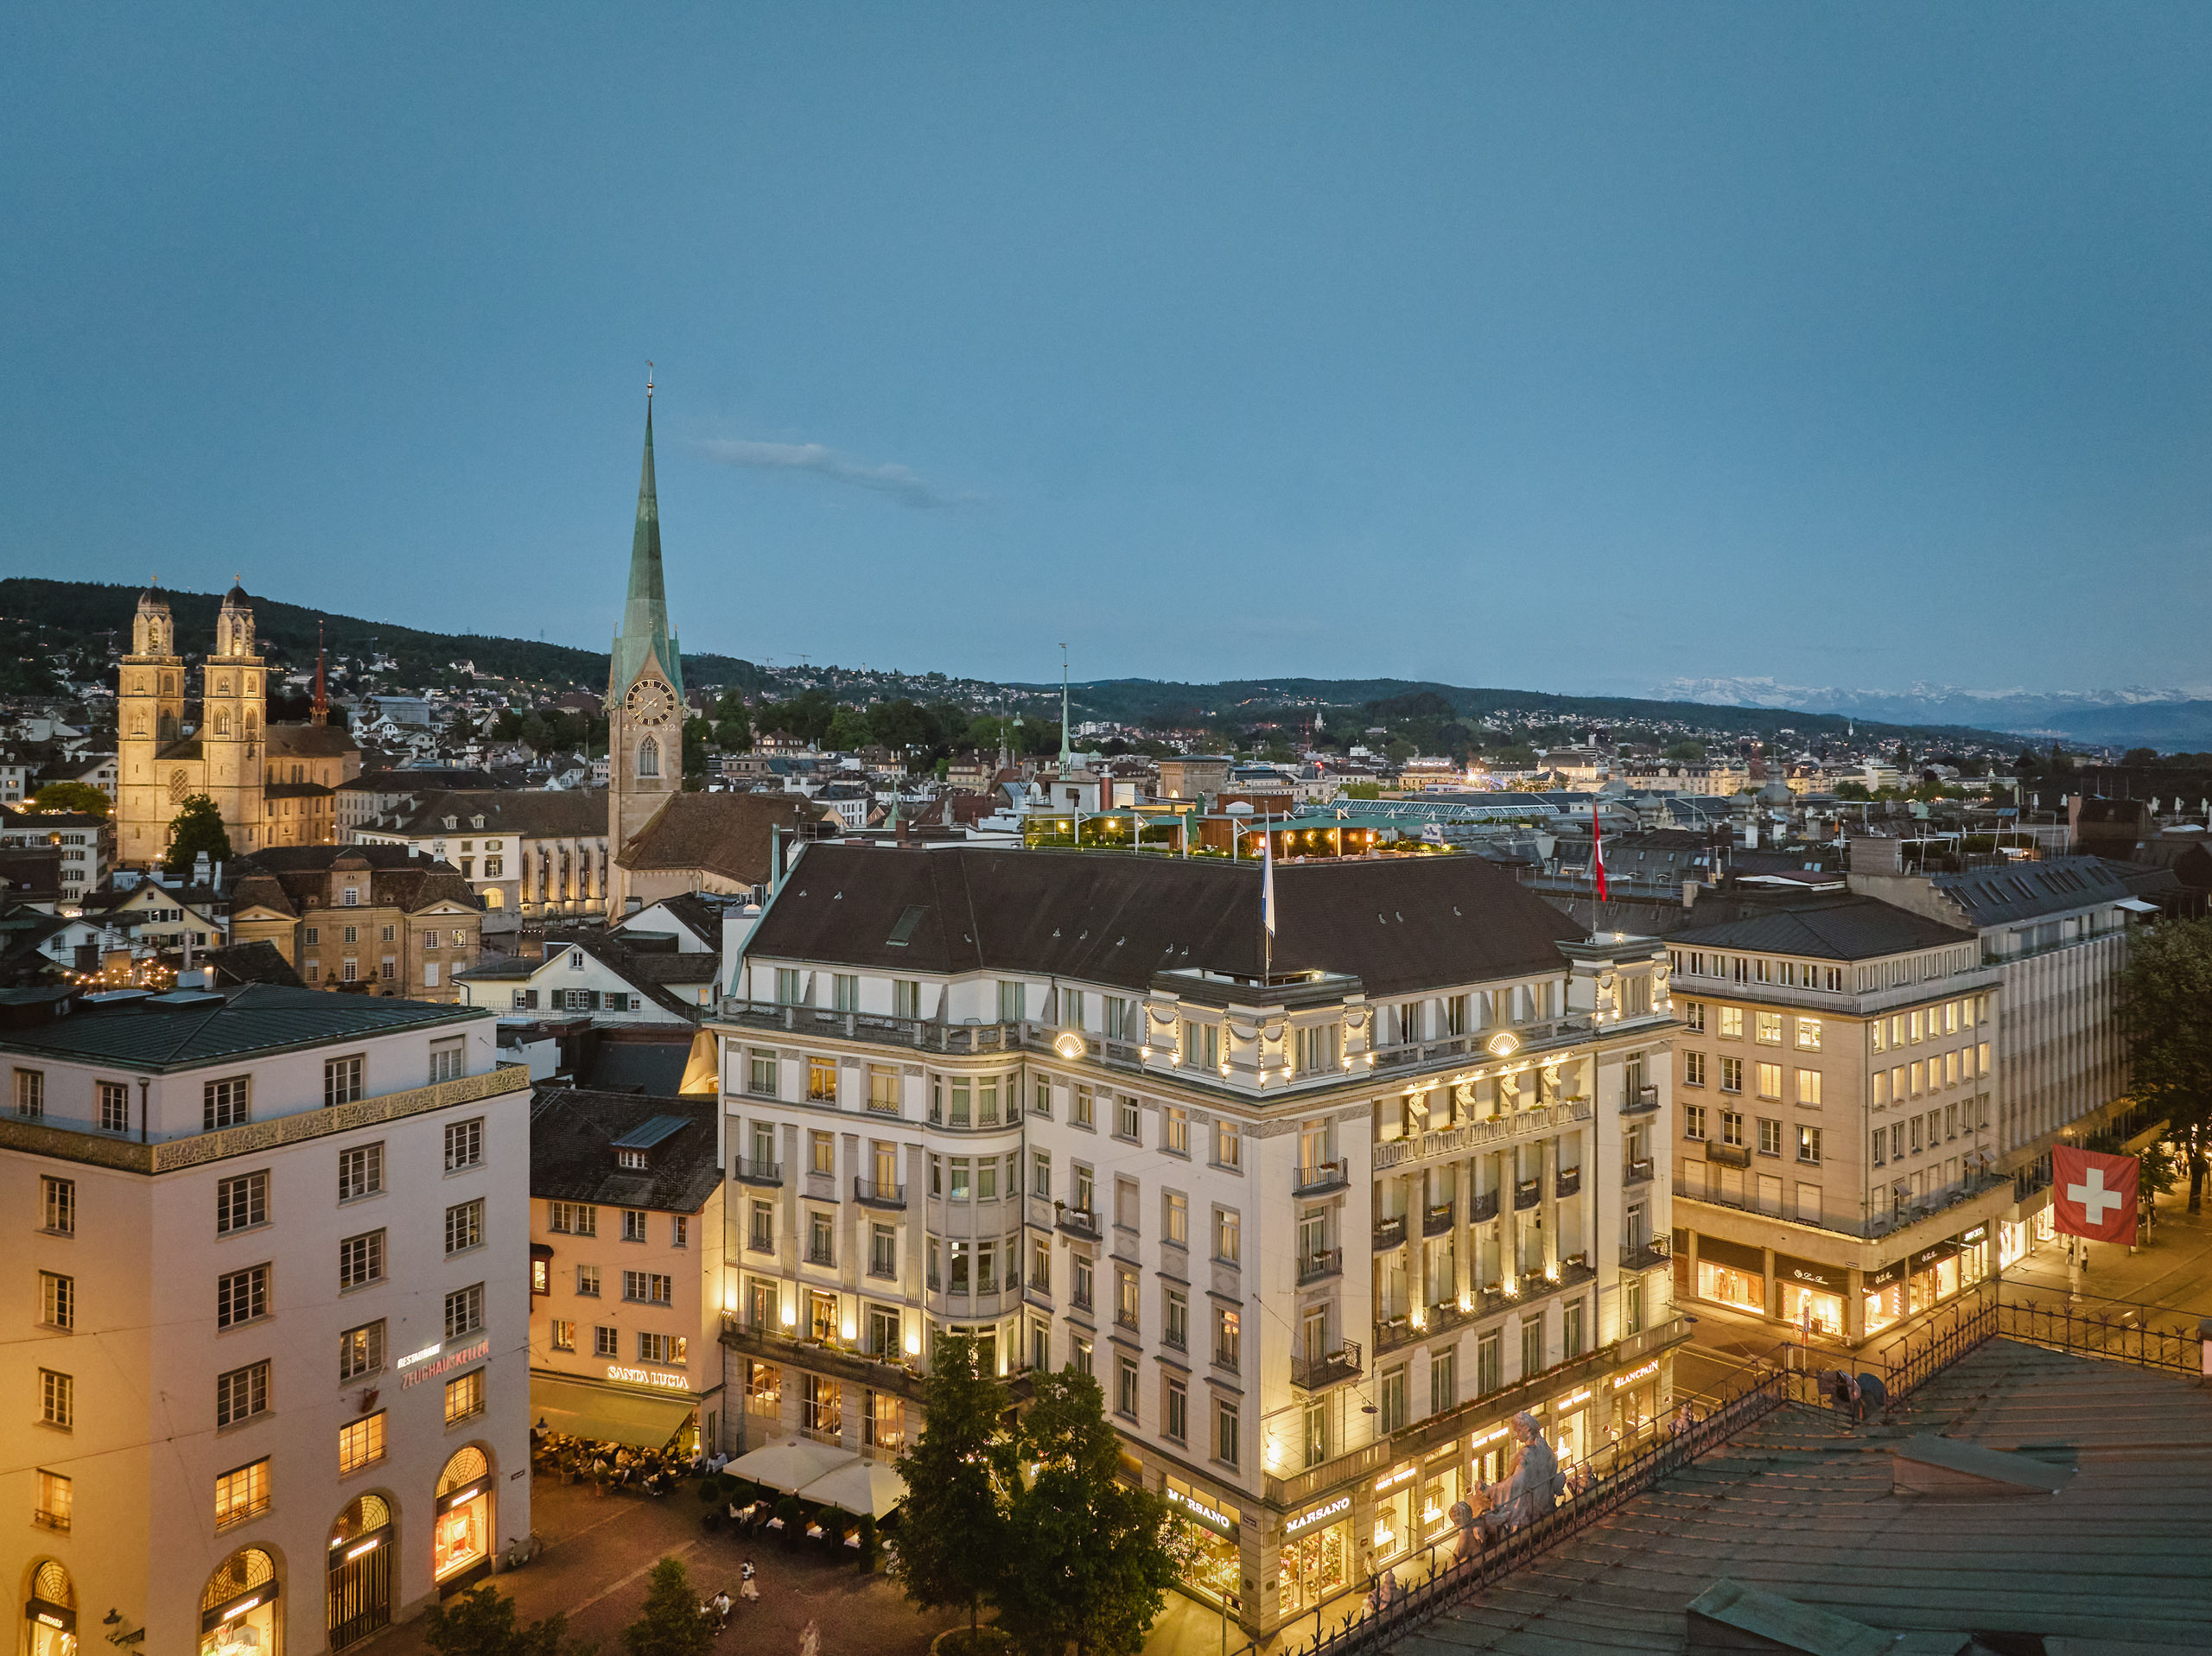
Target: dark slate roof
x,y
1994,896
1399,924
723,834
533,813
1847,929
311,741
572,1134
257,962
1797,1506
651,1067
141,1034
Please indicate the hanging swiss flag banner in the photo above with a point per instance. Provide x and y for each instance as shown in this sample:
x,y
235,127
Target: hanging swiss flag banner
x,y
2093,1195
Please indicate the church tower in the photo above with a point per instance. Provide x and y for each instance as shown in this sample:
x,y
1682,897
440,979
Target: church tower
x,y
644,691
150,711
231,706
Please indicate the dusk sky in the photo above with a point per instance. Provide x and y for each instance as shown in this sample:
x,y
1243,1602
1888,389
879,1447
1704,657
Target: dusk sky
x,y
1560,347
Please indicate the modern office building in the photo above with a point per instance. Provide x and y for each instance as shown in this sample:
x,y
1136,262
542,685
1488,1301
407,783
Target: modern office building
x,y
1838,1136
269,1367
1319,1214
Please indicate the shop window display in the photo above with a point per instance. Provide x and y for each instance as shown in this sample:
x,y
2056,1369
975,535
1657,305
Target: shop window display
x,y
461,1533
1211,1562
237,1610
50,1618
1728,1286
1316,1563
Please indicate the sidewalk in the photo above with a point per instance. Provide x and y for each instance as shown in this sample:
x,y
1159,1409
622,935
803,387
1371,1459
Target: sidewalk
x,y
600,1550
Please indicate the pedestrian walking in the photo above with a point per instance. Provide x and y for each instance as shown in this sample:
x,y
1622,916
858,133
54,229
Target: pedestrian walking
x,y
746,1587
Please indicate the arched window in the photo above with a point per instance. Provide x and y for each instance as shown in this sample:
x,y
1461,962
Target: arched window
x,y
358,1593
238,1611
137,724
169,684
462,1535
222,722
252,721
51,1613
649,757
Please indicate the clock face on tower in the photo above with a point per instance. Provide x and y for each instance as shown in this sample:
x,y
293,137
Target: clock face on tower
x,y
650,701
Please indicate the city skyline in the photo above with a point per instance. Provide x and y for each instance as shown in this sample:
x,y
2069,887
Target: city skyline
x,y
1683,333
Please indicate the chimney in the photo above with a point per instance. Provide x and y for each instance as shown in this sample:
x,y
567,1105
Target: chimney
x,y
1689,893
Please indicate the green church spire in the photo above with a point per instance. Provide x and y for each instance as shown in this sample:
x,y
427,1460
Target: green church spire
x,y
645,637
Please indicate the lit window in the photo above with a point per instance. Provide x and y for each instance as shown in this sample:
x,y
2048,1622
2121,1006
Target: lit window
x,y
242,1494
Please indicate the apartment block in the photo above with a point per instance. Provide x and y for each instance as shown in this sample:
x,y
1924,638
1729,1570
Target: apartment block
x,y
1319,1214
269,1273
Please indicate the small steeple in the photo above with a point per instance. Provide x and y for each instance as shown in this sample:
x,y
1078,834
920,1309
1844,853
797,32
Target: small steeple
x,y
645,635
1067,750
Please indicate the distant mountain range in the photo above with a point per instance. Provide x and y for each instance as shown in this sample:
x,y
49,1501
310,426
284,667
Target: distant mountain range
x,y
2135,717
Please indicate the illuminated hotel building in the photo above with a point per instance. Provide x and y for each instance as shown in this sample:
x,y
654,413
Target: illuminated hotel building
x,y
267,1368
1836,1115
1319,1227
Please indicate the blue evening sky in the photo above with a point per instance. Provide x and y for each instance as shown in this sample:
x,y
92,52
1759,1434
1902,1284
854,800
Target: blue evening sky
x,y
1565,346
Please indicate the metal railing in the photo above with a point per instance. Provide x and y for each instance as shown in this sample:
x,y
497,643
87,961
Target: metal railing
x,y
1390,1233
1449,1572
1320,1178
1637,1172
2118,1335
1641,1256
1077,1222
876,1194
1639,1100
1436,1220
1970,1186
1394,1332
1527,1194
1483,1208
750,1171
1311,1374
1566,1182
1323,1262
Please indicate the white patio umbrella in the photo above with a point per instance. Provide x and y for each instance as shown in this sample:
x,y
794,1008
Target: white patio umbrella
x,y
789,1466
859,1487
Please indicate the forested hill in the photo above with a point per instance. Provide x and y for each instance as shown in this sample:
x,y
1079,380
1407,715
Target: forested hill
x,y
67,617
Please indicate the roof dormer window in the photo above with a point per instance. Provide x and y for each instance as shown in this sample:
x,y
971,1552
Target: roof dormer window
x,y
453,822
575,959
351,898
630,1158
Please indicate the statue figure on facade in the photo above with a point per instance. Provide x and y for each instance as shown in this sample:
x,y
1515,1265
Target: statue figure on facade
x,y
1535,1484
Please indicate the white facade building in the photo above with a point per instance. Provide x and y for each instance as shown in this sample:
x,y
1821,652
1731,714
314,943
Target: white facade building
x,y
1318,1231
270,1357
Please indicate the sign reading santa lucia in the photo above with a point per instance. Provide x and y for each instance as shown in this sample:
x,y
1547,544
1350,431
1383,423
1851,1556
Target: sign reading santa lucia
x,y
2093,1195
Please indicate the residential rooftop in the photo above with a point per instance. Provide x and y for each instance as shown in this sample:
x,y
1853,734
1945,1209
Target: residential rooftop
x,y
132,1029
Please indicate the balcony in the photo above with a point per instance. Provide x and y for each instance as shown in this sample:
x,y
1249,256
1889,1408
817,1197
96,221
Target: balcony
x,y
1727,1155
1473,1306
1483,1208
1567,1183
821,1256
1527,1194
750,1171
1126,1319
1078,1223
1320,1179
1637,1172
841,1359
1390,1233
1639,1100
1316,1374
1320,1265
1080,1299
1436,1220
871,1193
1646,1255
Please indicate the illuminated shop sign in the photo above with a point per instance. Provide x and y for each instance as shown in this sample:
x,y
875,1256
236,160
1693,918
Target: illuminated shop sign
x,y
424,1368
1197,1510
1392,1479
647,1377
1485,1439
1575,1400
1635,1374
423,1355
1307,1520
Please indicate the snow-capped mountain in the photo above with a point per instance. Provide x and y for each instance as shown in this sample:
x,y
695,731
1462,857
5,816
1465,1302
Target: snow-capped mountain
x,y
2168,718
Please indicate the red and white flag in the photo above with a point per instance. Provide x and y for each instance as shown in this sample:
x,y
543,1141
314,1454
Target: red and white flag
x,y
2093,1195
1597,854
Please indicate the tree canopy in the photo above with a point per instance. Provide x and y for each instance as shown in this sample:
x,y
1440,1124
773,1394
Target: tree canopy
x,y
671,1623
951,1537
71,796
197,827
482,1622
2165,990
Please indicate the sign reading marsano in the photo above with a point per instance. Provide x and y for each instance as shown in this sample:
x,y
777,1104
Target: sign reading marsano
x,y
1307,1520
424,1368
1196,1510
647,1377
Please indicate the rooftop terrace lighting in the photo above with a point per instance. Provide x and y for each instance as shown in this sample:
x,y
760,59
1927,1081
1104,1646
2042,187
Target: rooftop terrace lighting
x,y
1503,1045
1070,1044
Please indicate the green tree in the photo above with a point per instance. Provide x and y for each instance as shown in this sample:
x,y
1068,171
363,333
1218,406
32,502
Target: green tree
x,y
197,827
482,1622
849,730
671,1623
71,796
2164,990
952,1534
1091,1555
1851,790
2138,756
733,724
695,732
1688,750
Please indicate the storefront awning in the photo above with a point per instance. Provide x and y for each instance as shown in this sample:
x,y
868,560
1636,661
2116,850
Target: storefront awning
x,y
583,1410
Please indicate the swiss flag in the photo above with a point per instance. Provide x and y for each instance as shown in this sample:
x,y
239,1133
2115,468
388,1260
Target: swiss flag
x,y
1597,853
2093,1195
